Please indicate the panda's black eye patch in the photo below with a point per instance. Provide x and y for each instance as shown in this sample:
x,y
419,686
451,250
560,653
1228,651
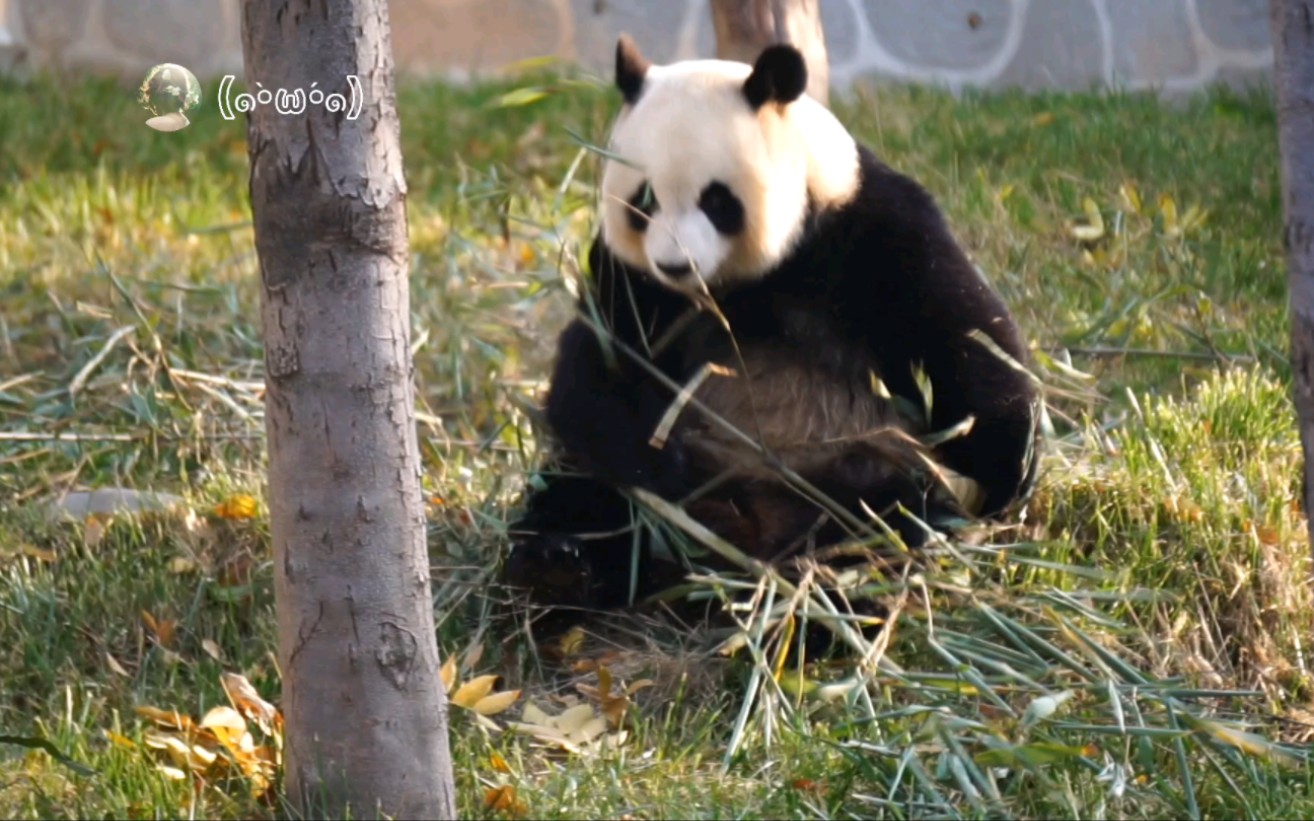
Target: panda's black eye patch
x,y
641,208
723,209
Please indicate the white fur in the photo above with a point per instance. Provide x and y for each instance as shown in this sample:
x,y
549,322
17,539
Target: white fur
x,y
690,126
688,237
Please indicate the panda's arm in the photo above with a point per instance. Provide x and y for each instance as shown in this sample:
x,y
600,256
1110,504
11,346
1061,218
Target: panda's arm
x,y
936,306
602,405
605,413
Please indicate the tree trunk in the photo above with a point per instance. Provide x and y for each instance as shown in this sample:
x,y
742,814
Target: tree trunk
x,y
745,27
365,713
1292,23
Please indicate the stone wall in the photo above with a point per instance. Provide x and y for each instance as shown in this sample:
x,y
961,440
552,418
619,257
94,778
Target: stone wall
x,y
1174,45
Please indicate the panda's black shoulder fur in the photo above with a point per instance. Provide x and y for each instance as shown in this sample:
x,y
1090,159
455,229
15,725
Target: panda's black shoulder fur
x,y
882,273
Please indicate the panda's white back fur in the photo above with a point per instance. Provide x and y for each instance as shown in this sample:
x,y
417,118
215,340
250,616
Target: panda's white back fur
x,y
691,125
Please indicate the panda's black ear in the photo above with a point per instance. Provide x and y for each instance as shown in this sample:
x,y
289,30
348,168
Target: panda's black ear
x,y
631,68
780,75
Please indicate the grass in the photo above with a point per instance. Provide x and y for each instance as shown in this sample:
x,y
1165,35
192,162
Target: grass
x,y
1156,597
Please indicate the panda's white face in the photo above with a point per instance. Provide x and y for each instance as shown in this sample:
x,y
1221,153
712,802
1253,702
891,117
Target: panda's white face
x,y
710,189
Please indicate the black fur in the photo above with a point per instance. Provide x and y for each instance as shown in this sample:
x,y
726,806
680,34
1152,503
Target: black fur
x,y
780,75
631,68
878,283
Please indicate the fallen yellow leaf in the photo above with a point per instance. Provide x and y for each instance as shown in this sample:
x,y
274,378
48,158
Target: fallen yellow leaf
x,y
243,695
116,667
495,703
533,714
93,532
225,717
473,690
212,649
239,506
162,630
575,718
167,718
1094,227
1131,198
39,554
472,656
577,730
1193,218
613,706
120,741
448,674
503,799
1168,209
571,642
189,756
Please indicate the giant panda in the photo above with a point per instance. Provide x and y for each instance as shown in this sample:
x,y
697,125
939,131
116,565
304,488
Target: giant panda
x,y
774,323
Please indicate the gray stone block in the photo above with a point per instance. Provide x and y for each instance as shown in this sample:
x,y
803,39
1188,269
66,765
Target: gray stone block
x,y
13,59
1243,79
841,26
1235,24
953,34
1151,41
52,24
110,500
475,36
704,32
1062,46
157,31
656,27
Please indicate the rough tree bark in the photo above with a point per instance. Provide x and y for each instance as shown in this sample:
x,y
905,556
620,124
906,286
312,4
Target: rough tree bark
x,y
1292,24
745,27
365,714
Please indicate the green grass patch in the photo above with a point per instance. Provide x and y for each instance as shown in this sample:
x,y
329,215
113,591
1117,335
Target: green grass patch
x,y
1155,597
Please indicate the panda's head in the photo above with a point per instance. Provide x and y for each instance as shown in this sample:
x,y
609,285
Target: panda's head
x,y
716,165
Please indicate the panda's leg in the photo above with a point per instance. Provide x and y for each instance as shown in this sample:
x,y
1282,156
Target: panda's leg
x,y
866,480
575,546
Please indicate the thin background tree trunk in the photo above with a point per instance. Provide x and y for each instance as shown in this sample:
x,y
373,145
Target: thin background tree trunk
x,y
745,27
1292,23
365,714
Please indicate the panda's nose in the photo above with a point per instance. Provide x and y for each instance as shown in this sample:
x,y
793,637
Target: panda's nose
x,y
677,270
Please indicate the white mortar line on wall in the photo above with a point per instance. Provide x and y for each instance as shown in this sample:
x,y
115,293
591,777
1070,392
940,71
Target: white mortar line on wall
x,y
865,47
1223,57
1012,41
1106,33
872,56
686,42
1210,57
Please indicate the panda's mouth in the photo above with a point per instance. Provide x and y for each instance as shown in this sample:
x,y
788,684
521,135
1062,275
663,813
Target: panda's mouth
x,y
677,271
684,277
686,252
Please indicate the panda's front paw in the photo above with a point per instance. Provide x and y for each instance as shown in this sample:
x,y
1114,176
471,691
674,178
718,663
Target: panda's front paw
x,y
665,471
551,569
